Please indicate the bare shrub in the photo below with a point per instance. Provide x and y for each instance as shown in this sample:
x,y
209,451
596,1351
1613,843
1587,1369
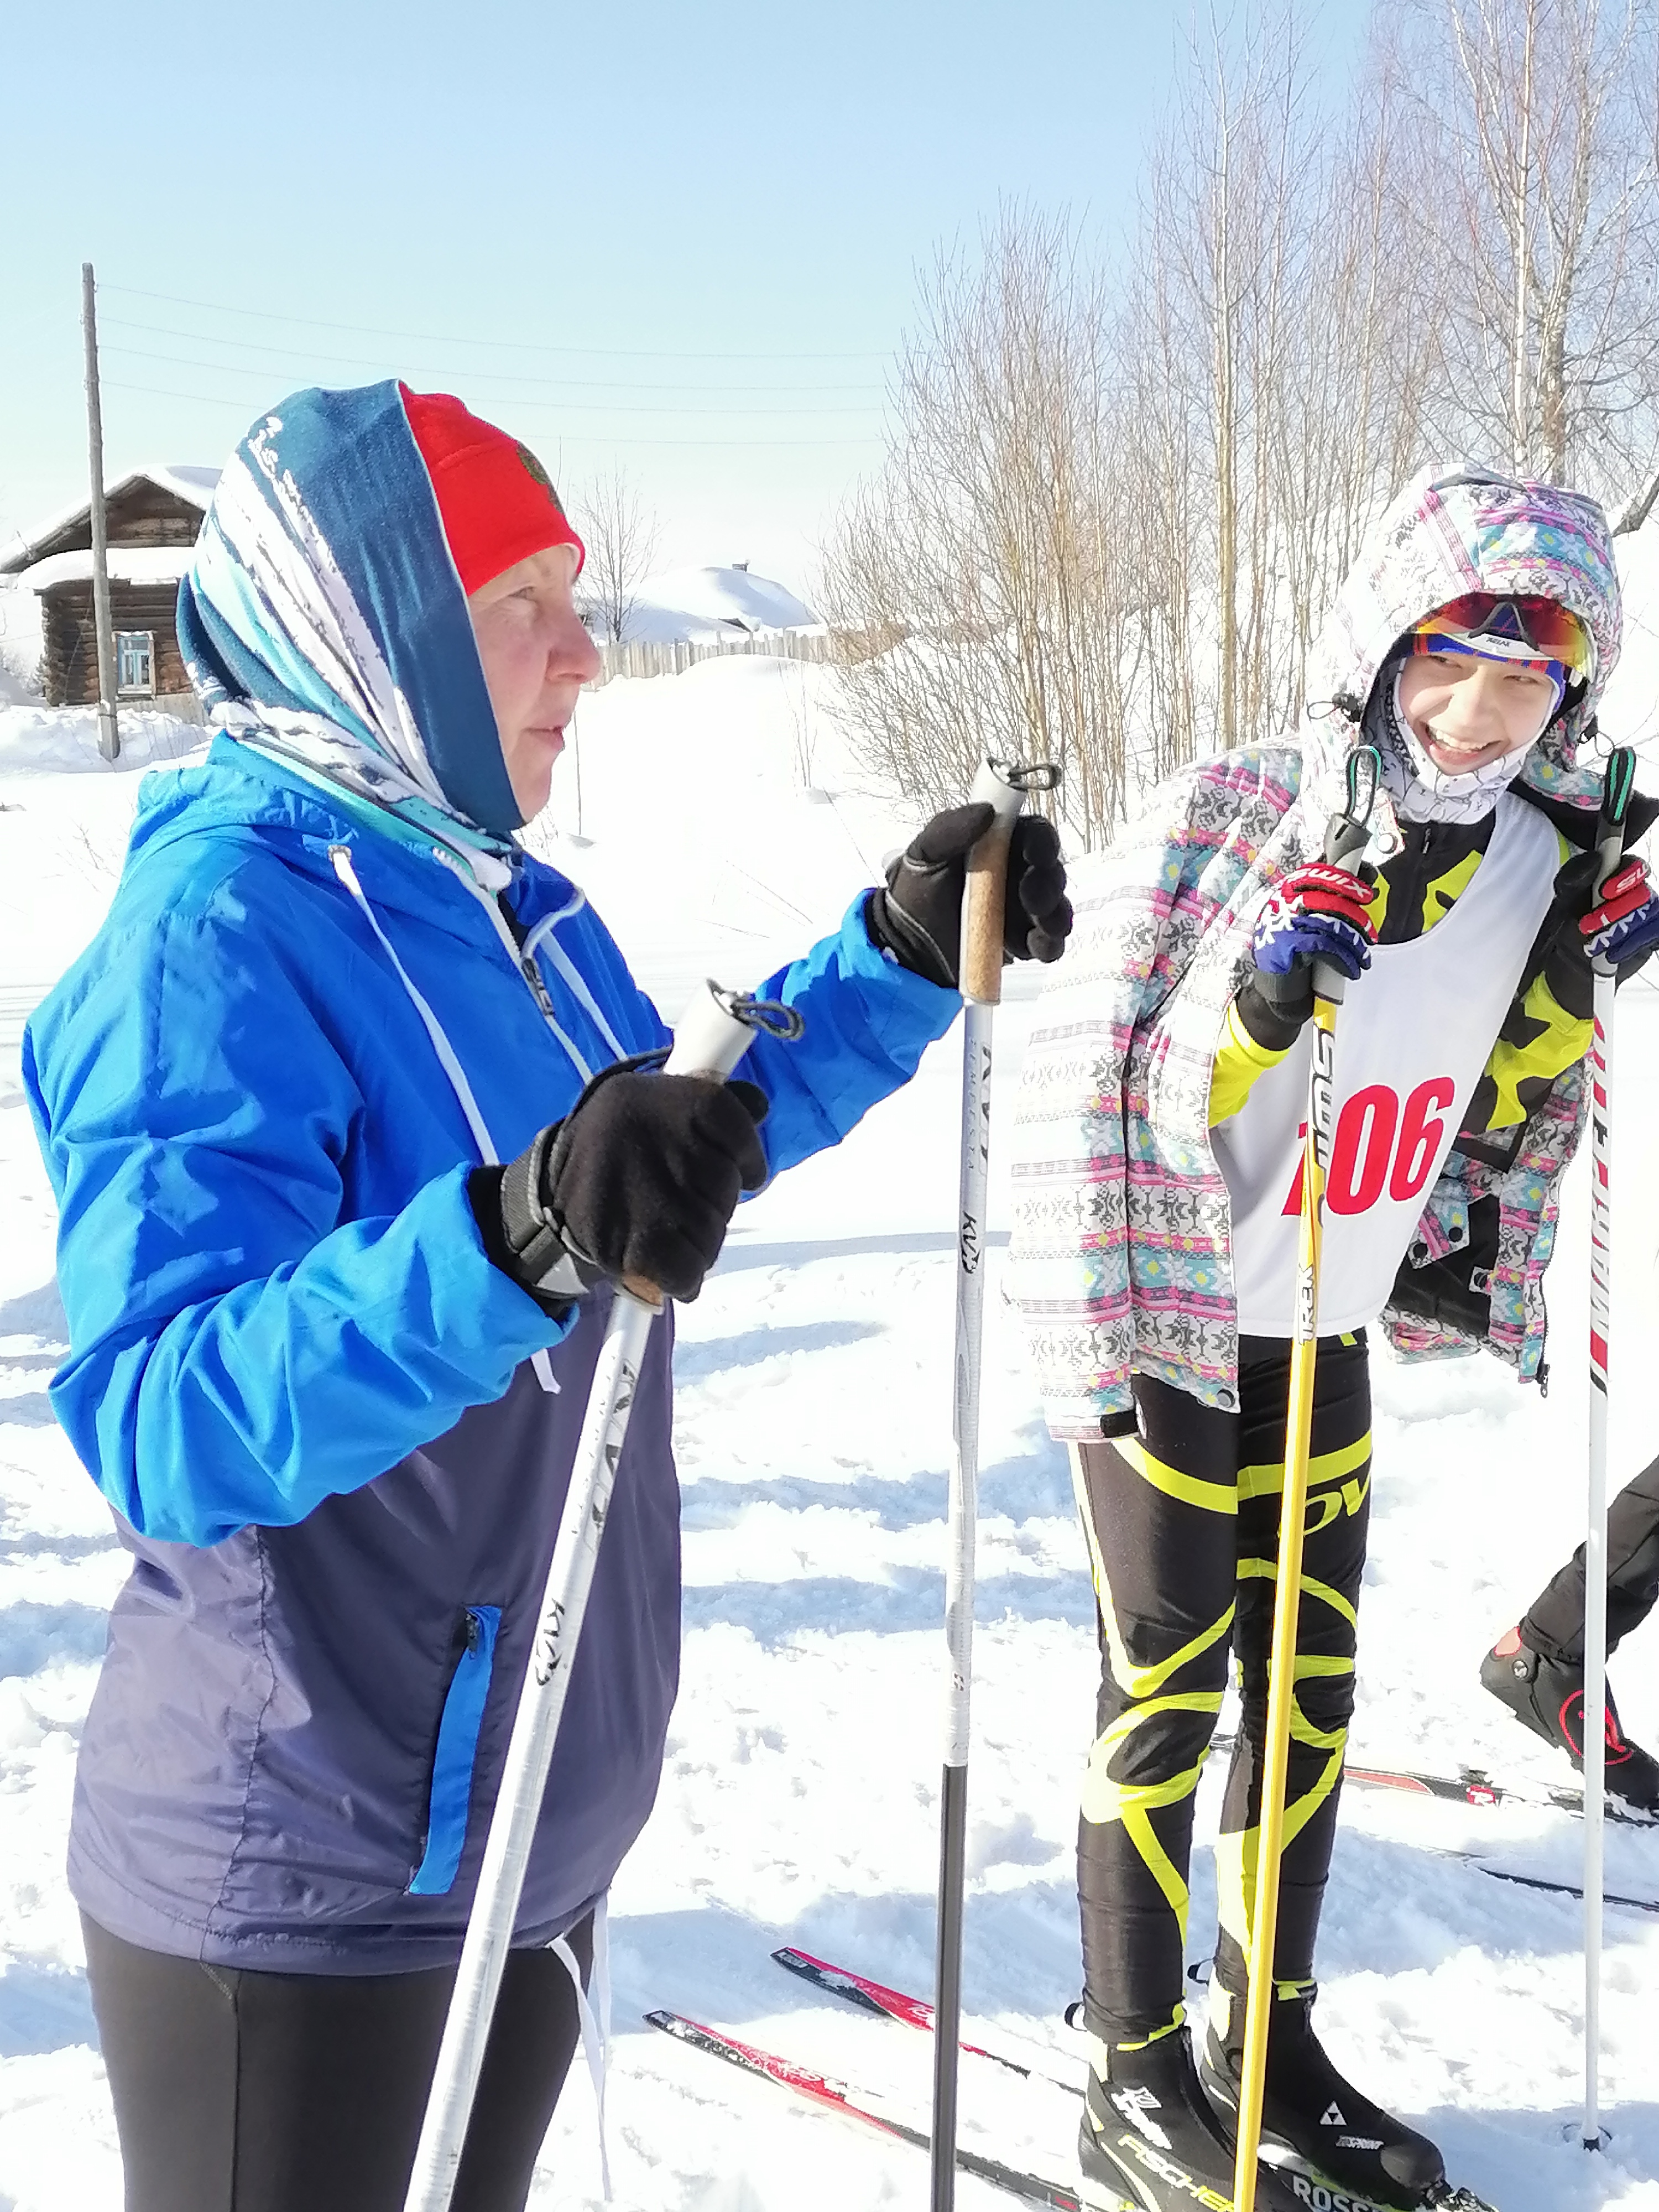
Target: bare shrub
x,y
990,558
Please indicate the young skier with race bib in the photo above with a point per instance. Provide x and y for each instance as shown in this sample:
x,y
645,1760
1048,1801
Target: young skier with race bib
x,y
1157,1191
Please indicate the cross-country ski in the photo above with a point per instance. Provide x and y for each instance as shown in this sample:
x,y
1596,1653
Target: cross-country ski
x,y
1474,1786
1308,2184
863,2105
912,2012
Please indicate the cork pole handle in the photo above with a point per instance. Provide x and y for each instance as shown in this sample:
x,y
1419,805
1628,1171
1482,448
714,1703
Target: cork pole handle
x,y
986,897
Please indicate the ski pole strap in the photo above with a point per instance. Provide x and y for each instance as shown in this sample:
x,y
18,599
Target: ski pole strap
x,y
1003,786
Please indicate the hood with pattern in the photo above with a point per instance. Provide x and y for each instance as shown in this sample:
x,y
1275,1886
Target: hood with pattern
x,y
323,620
1463,528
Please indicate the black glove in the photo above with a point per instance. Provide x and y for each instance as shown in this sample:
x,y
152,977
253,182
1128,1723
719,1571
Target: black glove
x,y
639,1179
918,918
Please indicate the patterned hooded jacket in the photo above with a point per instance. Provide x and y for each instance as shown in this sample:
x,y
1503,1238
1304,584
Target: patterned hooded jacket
x,y
1121,1240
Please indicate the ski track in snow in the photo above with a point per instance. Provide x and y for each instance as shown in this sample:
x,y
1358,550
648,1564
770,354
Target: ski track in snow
x,y
798,1799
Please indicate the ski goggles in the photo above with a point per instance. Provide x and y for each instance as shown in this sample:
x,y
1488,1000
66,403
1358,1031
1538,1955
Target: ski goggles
x,y
1531,632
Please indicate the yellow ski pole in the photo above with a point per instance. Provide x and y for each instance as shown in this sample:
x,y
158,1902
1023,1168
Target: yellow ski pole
x,y
1345,839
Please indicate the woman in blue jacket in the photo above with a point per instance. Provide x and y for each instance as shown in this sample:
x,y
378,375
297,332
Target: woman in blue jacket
x,y
330,1356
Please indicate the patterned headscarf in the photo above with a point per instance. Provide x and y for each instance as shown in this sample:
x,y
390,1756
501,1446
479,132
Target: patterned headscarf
x,y
323,622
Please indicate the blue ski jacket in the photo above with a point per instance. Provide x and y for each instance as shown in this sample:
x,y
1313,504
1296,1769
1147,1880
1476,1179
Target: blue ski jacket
x,y
309,1396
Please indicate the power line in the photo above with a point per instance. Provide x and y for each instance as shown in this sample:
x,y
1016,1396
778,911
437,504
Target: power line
x,y
575,438
501,345
571,383
567,406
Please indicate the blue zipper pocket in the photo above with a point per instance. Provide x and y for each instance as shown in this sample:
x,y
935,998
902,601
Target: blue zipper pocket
x,y
456,1752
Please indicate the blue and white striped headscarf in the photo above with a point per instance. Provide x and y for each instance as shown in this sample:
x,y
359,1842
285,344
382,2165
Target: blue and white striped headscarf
x,y
323,622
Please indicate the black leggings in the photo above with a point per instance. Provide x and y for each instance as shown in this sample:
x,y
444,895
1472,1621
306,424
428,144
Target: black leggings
x,y
1555,1623
237,2091
1183,1523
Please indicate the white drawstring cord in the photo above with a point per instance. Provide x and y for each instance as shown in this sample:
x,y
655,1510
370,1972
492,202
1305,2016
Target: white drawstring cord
x,y
573,975
594,2017
340,857
574,904
514,954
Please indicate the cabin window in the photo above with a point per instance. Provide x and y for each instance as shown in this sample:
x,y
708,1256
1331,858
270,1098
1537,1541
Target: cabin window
x,y
135,662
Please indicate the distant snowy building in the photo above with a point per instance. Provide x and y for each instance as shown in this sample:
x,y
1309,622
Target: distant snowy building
x,y
702,606
153,516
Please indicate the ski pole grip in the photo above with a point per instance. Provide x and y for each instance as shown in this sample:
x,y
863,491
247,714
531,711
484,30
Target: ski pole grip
x,y
1347,835
716,1030
1616,788
987,888
711,1038
1003,786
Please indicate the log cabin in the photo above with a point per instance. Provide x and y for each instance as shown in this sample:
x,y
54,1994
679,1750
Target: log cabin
x,y
152,518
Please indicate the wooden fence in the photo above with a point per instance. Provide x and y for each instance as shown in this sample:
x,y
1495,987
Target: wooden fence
x,y
673,660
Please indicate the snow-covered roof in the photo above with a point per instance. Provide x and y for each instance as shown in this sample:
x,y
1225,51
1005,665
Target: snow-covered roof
x,y
699,606
187,480
127,564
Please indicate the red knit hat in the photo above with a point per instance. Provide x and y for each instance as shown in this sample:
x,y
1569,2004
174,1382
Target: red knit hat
x,y
496,502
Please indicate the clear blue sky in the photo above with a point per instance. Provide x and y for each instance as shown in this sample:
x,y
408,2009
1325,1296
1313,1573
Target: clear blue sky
x,y
682,237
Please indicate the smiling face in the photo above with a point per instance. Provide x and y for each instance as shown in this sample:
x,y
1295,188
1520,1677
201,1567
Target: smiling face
x,y
1465,711
536,657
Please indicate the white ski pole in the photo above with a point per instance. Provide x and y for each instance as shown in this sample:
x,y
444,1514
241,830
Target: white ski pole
x,y
713,1038
1004,787
1620,775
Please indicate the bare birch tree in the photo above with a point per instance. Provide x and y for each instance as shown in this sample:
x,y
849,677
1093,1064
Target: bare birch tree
x,y
1537,128
1269,375
620,536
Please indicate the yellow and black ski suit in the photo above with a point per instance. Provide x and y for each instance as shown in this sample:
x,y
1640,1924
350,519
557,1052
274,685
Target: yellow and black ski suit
x,y
1183,1520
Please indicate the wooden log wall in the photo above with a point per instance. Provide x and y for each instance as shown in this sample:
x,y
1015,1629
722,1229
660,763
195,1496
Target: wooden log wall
x,y
69,663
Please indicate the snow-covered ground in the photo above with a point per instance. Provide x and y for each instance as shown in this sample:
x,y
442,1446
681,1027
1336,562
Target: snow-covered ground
x,y
718,831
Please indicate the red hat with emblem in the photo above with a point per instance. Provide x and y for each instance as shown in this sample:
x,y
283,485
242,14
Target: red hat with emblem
x,y
496,500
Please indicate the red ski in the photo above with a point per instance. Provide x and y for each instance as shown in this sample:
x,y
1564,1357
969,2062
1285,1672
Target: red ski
x,y
898,2004
1473,1787
874,2111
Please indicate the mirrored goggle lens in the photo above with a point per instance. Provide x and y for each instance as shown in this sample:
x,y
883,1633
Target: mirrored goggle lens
x,y
1539,629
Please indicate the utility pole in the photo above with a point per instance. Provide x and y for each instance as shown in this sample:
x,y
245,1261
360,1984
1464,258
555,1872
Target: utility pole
x,y
109,736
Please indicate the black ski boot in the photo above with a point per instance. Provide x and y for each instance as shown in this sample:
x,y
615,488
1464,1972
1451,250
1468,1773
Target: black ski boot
x,y
1547,1696
1150,2143
1315,2126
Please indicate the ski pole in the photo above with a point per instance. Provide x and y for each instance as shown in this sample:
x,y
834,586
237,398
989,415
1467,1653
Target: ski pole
x,y
1610,843
711,1039
1004,787
1345,839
